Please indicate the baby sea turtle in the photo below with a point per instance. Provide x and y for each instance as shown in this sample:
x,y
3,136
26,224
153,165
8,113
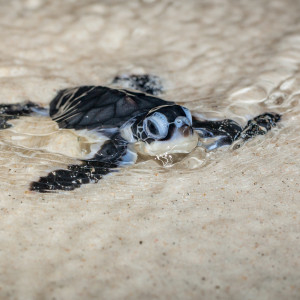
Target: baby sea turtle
x,y
132,122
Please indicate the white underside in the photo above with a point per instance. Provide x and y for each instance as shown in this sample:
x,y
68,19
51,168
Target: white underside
x,y
178,144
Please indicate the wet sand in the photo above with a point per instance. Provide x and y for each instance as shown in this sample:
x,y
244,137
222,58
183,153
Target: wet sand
x,y
223,225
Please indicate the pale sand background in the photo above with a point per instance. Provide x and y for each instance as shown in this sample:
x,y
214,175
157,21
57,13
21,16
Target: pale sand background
x,y
224,227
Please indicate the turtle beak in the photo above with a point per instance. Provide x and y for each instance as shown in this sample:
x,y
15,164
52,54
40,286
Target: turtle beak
x,y
184,126
186,130
182,140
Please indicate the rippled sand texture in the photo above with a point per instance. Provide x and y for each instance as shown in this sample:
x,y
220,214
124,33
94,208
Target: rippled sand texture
x,y
224,227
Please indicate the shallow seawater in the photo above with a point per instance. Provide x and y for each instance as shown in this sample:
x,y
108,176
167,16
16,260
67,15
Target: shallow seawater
x,y
218,225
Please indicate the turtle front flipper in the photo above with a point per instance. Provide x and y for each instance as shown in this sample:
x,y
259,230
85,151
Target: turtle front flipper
x,y
227,131
73,177
260,125
223,132
113,154
16,110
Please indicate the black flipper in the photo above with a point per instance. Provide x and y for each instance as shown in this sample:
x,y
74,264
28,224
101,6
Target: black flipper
x,y
227,131
149,84
260,125
14,111
90,107
108,158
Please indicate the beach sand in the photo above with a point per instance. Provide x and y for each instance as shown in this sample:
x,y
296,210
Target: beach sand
x,y
219,225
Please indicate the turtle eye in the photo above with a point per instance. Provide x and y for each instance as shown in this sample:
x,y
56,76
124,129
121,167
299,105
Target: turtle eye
x,y
156,126
188,114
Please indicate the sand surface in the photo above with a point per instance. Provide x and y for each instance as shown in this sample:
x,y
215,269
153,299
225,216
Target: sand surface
x,y
223,225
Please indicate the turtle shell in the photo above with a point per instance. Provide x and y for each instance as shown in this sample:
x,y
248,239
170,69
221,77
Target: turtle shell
x,y
90,107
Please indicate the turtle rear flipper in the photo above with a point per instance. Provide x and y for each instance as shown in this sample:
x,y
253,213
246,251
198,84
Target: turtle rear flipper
x,y
16,110
146,83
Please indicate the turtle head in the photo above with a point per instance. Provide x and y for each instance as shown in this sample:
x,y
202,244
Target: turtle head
x,y
165,130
